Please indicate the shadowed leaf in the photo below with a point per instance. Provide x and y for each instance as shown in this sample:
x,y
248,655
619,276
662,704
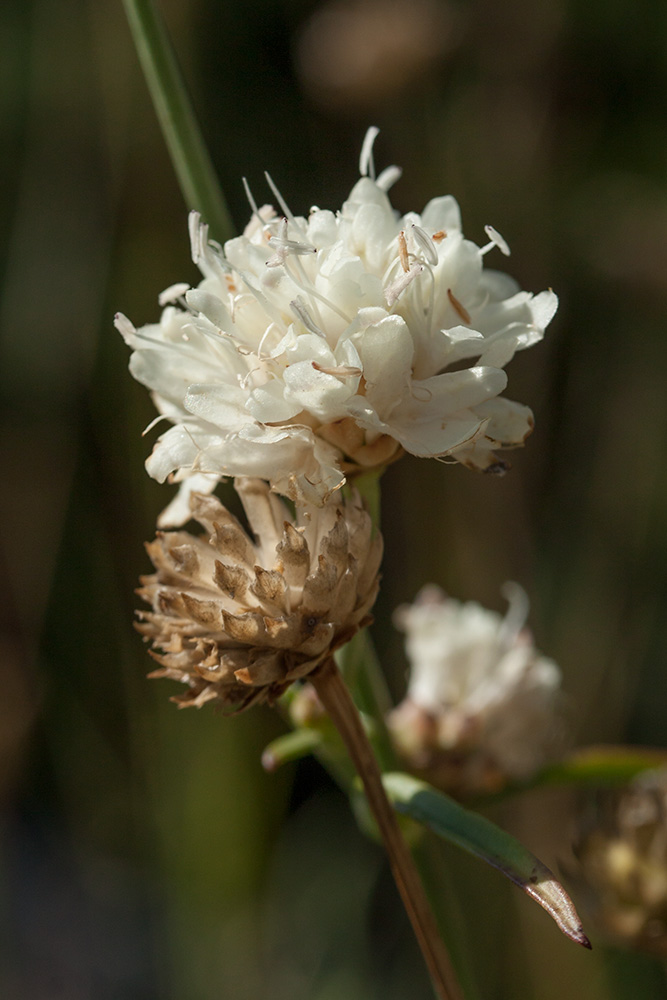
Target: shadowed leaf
x,y
487,841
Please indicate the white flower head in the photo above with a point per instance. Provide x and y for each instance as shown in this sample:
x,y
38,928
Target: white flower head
x,y
317,347
481,705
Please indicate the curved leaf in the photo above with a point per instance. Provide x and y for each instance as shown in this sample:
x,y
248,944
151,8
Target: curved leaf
x,y
489,842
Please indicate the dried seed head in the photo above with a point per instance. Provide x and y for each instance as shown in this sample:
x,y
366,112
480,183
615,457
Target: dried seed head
x,y
236,616
621,846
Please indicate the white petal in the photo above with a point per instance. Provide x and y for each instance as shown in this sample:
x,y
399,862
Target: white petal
x,y
509,424
218,404
386,351
544,308
321,394
269,403
177,512
442,214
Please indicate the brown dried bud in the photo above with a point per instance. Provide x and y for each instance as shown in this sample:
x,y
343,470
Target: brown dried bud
x,y
622,851
237,618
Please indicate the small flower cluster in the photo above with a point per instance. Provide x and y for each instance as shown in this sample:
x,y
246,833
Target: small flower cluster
x,y
480,705
318,347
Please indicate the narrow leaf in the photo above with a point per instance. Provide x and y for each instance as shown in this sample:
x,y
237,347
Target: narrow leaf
x,y
291,746
188,151
601,765
487,841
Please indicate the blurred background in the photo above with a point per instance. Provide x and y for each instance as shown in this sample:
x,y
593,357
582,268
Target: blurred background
x,y
143,852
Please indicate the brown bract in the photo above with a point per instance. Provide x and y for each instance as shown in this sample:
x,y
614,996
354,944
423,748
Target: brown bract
x,y
237,616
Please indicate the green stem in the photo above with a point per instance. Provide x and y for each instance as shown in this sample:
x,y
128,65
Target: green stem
x,y
187,149
368,486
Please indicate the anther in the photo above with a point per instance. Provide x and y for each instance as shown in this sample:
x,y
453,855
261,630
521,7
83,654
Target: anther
x,y
496,241
403,251
299,309
461,309
425,244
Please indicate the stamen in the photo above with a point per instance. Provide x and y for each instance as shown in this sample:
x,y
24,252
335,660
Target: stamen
x,y
496,241
298,307
203,250
269,330
284,247
173,293
366,162
252,203
439,236
403,251
461,309
266,305
517,613
393,290
342,371
428,311
388,177
198,235
154,423
125,327
426,244
244,380
283,204
304,284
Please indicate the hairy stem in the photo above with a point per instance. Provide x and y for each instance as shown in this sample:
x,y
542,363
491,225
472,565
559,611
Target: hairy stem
x,y
338,702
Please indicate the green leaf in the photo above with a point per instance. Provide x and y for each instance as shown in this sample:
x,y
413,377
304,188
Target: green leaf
x,y
292,746
368,487
487,841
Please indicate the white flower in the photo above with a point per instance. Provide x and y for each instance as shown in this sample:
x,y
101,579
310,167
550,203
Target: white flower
x,y
481,702
321,346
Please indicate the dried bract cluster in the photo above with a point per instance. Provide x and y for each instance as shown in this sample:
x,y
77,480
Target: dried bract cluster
x,y
236,618
622,850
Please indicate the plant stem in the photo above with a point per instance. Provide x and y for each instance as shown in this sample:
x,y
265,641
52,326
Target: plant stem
x,y
336,699
187,149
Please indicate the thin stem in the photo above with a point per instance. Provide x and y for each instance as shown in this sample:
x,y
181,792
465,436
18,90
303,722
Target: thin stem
x,y
338,702
368,486
187,149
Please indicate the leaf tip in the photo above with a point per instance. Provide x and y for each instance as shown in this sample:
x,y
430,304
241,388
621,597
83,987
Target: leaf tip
x,y
583,940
